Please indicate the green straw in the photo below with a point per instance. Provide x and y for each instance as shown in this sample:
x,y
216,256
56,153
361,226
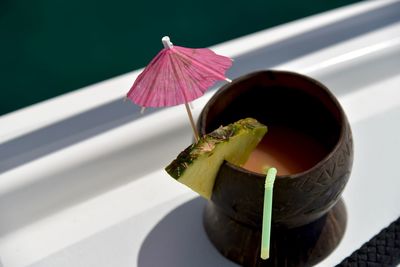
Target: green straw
x,y
266,223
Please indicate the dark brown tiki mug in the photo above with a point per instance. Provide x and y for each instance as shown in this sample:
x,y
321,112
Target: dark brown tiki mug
x,y
308,218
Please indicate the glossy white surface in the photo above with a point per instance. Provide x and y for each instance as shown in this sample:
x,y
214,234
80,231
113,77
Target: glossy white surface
x,y
83,185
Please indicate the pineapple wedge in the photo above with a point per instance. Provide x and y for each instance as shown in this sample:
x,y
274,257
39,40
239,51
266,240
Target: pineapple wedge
x,y
197,166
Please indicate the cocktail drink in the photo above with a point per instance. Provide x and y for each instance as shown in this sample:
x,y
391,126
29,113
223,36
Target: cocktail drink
x,y
288,150
309,141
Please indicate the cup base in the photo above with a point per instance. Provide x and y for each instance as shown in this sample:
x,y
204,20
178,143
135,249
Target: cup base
x,y
302,246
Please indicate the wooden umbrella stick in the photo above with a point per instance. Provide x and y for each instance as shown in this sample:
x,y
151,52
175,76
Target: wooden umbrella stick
x,y
196,135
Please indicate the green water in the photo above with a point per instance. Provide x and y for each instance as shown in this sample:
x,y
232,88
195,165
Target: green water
x,y
50,47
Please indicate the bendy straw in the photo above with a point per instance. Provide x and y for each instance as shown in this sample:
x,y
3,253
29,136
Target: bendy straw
x,y
267,212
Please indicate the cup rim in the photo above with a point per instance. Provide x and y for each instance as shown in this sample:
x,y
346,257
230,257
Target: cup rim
x,y
331,96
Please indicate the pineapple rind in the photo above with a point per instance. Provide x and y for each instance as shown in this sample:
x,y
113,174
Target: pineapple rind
x,y
197,166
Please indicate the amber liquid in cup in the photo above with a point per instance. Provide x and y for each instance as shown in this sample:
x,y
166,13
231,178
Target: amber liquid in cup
x,y
288,150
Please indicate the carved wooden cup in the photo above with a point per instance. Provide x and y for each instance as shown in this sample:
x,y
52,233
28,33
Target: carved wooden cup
x,y
308,222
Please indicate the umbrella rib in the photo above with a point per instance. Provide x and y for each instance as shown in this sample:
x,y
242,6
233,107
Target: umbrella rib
x,y
200,65
189,82
198,81
180,80
158,67
191,72
143,74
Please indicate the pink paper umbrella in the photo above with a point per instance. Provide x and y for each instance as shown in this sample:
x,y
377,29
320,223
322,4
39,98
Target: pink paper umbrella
x,y
178,75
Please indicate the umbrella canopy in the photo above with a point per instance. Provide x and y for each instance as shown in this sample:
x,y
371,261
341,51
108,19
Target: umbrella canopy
x,y
178,75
